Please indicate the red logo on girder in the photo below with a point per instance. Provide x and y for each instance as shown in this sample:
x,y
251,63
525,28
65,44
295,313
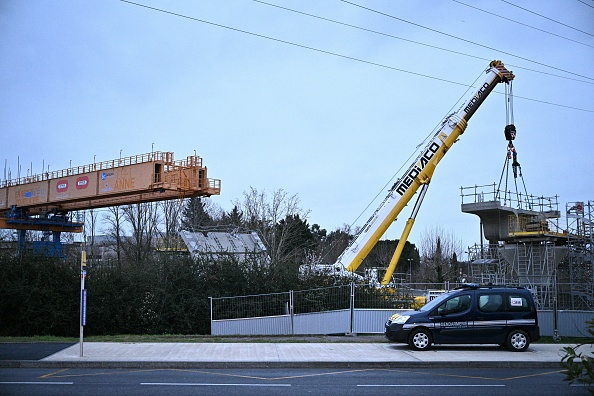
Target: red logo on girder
x,y
82,182
62,185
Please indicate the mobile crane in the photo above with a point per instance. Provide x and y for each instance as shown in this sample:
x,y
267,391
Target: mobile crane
x,y
418,175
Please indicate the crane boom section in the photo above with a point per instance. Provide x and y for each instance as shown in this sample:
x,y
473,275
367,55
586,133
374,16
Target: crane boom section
x,y
421,170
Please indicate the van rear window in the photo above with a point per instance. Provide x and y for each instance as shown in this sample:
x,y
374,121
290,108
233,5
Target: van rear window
x,y
517,303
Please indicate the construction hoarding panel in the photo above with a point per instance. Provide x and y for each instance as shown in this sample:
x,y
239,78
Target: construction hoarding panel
x,y
4,198
73,187
28,194
124,179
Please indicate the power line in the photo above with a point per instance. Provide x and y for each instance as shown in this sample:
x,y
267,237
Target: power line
x,y
328,52
293,44
583,2
461,39
415,42
552,20
523,24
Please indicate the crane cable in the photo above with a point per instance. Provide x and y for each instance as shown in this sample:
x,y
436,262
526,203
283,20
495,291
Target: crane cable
x,y
512,154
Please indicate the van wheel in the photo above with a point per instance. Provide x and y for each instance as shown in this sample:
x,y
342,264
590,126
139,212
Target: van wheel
x,y
420,340
517,341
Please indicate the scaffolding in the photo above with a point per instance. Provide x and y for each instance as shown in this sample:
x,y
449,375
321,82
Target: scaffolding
x,y
576,273
527,247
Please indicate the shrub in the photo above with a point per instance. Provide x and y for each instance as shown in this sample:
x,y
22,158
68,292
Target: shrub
x,y
579,366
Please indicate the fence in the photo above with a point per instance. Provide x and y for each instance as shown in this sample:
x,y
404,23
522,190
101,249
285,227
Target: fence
x,y
343,310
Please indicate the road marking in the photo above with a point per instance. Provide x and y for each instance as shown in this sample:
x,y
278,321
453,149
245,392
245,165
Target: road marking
x,y
475,376
34,383
204,384
53,373
274,378
423,385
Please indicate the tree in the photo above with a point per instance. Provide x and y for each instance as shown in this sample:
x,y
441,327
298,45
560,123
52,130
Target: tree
x,y
90,217
115,220
333,244
264,214
144,219
171,209
199,213
233,218
298,239
381,255
439,252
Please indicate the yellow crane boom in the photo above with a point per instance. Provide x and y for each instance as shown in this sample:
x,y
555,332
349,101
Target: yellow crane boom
x,y
419,175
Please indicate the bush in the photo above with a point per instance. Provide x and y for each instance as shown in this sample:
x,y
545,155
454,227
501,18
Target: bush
x,y
579,367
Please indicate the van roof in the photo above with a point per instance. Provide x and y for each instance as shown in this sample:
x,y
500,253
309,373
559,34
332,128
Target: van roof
x,y
475,286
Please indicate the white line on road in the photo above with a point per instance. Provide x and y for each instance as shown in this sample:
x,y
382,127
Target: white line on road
x,y
204,384
422,385
34,383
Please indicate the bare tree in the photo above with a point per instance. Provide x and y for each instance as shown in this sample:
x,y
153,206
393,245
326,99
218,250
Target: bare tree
x,y
172,210
90,220
144,219
439,255
267,214
115,220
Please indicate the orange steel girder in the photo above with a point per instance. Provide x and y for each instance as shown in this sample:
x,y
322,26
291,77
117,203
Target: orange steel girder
x,y
142,178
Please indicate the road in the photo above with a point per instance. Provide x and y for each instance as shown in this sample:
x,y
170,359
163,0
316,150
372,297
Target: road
x,y
220,382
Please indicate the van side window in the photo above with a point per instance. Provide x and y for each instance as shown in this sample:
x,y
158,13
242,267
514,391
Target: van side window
x,y
491,303
455,305
517,303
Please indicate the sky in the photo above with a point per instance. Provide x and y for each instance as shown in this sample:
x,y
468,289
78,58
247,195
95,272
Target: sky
x,y
327,100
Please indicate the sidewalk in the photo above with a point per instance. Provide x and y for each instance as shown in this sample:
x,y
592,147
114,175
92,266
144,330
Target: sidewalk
x,y
294,355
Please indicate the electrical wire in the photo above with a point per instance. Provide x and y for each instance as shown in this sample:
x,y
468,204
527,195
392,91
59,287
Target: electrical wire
x,y
583,2
368,62
462,39
293,44
333,53
415,152
521,23
550,19
415,42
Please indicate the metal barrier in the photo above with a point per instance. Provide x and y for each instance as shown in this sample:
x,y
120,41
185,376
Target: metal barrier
x,y
342,310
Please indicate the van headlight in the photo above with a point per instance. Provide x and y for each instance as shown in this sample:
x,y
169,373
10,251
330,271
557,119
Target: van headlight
x,y
399,319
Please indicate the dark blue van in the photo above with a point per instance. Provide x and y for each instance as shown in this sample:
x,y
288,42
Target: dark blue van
x,y
470,314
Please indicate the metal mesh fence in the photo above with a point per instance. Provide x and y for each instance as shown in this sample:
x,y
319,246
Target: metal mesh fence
x,y
273,304
399,296
320,300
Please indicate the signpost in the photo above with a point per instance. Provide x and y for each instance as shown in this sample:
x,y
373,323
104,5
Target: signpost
x,y
83,298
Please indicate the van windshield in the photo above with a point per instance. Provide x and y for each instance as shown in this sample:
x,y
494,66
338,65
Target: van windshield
x,y
435,302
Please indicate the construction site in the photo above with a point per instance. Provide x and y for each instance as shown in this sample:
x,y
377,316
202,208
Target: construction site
x,y
526,240
531,242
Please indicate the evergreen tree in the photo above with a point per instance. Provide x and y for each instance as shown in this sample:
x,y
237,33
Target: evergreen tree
x,y
194,215
233,218
296,237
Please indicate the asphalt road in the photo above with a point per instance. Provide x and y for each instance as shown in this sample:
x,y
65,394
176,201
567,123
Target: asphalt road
x,y
247,382
30,350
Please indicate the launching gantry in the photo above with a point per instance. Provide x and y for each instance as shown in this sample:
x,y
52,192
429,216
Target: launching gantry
x,y
42,202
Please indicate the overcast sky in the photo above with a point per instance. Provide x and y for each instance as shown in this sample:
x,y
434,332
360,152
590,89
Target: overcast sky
x,y
327,103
